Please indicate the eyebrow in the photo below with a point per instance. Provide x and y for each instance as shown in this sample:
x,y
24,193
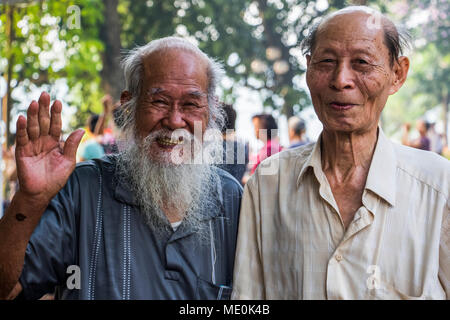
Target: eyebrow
x,y
194,93
155,90
366,52
197,94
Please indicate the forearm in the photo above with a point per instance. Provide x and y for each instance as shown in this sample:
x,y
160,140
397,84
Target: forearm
x,y
16,228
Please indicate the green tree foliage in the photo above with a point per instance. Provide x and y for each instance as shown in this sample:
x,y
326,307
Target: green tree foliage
x,y
51,40
258,41
428,81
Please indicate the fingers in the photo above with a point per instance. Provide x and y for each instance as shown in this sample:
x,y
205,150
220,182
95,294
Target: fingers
x,y
32,121
21,131
55,120
39,122
43,116
72,142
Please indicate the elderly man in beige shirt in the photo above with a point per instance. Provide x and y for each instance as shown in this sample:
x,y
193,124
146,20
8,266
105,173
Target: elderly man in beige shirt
x,y
353,216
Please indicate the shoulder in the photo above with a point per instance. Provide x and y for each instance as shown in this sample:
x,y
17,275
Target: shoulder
x,y
286,164
227,195
228,182
300,153
91,169
426,166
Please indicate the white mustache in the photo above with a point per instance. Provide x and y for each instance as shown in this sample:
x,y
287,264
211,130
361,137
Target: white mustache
x,y
175,137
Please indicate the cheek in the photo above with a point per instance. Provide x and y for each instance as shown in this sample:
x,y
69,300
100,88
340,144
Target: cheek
x,y
197,119
316,80
374,88
146,122
317,84
373,84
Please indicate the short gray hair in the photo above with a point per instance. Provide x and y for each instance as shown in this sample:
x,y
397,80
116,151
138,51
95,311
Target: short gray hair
x,y
396,38
133,68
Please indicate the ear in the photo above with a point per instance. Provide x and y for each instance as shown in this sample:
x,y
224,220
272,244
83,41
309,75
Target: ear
x,y
125,96
400,73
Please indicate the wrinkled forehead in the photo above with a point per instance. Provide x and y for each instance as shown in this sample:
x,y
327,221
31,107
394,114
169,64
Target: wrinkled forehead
x,y
176,66
352,28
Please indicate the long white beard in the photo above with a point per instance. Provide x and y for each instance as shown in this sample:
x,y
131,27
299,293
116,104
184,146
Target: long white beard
x,y
157,184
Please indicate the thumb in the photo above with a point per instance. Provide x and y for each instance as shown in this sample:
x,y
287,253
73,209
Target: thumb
x,y
72,142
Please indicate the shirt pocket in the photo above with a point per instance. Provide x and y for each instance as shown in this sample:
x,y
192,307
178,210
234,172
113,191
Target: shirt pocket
x,y
386,291
209,291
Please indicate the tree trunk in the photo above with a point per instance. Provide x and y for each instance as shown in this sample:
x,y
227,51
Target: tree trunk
x,y
112,77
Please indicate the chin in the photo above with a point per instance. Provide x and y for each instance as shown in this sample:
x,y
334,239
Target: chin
x,y
340,126
170,159
347,128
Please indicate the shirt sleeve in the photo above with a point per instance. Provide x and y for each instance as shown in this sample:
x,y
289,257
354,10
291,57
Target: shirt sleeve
x,y
248,277
51,247
444,253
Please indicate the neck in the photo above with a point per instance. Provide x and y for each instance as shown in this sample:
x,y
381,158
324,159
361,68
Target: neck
x,y
343,152
173,213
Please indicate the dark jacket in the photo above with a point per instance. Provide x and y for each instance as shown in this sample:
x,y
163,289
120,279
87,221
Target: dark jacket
x,y
94,223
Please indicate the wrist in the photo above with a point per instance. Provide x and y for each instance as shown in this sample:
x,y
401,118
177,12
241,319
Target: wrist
x,y
32,201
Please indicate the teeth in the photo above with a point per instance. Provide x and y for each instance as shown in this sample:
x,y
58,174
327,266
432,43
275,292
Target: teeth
x,y
169,142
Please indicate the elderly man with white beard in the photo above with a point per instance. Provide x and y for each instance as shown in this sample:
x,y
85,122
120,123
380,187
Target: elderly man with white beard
x,y
156,221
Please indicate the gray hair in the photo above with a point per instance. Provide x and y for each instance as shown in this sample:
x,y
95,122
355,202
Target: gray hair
x,y
396,38
133,68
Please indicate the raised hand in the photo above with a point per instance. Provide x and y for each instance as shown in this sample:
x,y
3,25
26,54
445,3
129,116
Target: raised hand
x,y
43,166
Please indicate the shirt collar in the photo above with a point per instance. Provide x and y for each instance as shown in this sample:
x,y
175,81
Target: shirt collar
x,y
382,173
381,178
313,161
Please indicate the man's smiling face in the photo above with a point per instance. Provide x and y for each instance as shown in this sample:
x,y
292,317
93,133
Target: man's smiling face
x,y
349,73
174,101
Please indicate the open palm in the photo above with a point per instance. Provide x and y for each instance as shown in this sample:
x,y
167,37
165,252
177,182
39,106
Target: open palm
x,y
43,165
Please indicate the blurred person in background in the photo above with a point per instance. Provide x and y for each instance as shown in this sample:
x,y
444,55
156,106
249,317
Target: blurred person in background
x,y
91,147
235,153
297,132
435,139
106,127
266,131
423,141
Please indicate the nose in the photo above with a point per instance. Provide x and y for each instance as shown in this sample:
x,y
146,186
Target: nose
x,y
174,119
342,77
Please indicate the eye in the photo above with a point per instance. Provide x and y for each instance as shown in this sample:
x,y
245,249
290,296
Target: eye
x,y
327,60
362,61
159,102
191,104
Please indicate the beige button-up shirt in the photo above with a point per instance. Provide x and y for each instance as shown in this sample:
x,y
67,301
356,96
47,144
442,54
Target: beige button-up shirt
x,y
292,243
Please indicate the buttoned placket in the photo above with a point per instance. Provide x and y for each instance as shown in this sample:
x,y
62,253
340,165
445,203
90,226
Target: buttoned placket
x,y
363,218
172,256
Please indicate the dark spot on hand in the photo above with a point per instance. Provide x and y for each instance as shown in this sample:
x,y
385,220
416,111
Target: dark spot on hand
x,y
20,217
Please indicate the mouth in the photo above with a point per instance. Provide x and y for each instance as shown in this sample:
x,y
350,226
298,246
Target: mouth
x,y
168,142
341,106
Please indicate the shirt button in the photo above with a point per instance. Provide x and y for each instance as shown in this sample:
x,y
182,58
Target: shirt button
x,y
338,257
